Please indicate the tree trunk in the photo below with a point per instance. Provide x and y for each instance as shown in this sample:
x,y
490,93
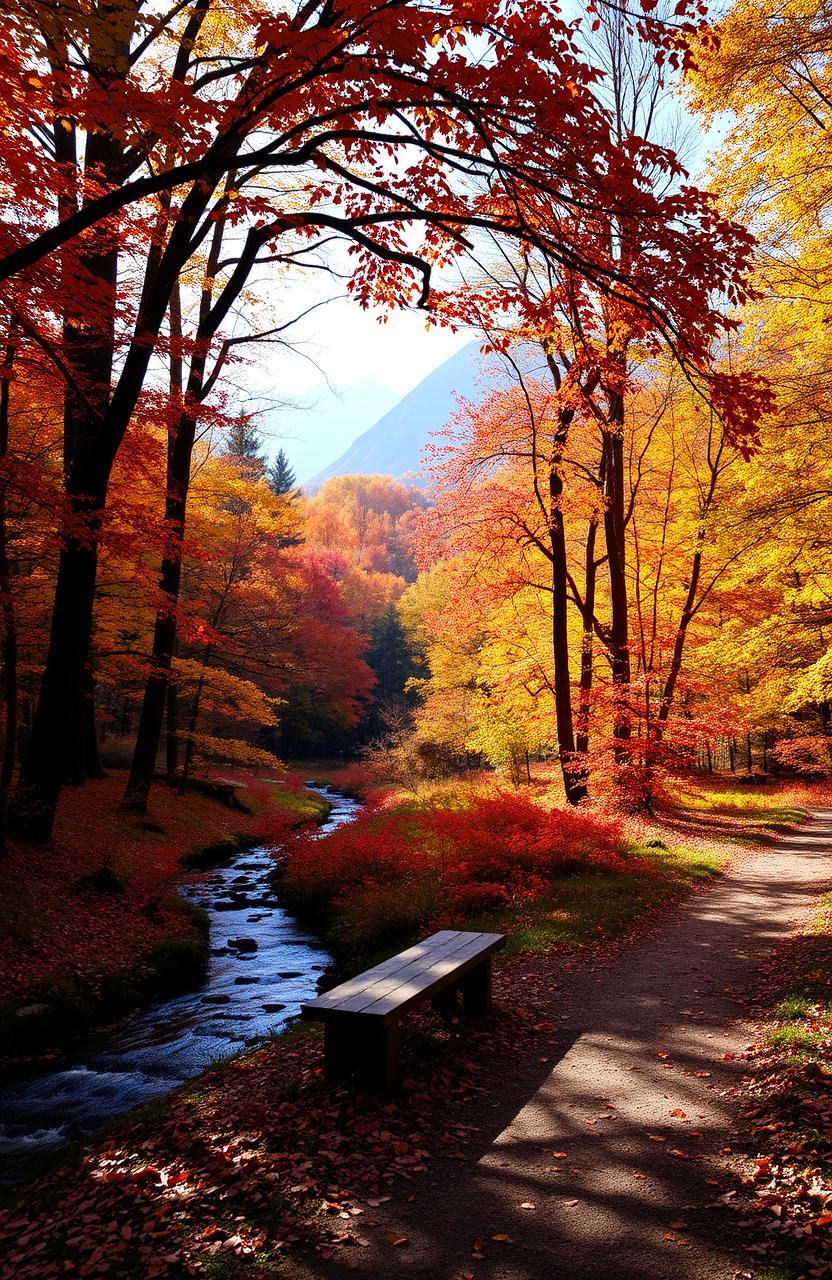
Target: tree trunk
x,y
614,531
184,405
92,758
679,644
171,730
59,715
574,784
587,642
89,271
189,739
149,733
9,619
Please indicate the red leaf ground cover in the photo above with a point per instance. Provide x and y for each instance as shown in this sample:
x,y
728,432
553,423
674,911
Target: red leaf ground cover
x,y
87,909
783,1171
259,1156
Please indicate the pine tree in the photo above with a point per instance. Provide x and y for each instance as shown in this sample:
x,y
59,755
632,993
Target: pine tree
x,y
391,658
245,443
280,476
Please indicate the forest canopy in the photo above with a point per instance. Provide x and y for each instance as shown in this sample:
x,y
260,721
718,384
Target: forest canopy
x,y
622,551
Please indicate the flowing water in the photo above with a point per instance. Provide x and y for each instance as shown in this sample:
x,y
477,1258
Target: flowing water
x,y
263,967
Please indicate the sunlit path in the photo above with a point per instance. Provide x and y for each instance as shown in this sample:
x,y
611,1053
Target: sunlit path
x,y
604,1169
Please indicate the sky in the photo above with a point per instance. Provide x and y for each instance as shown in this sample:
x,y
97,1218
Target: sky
x,y
350,345
336,347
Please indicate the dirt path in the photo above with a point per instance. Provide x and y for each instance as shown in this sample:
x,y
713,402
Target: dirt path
x,y
659,1031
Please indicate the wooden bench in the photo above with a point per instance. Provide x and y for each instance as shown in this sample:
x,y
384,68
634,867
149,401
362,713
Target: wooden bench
x,y
361,1017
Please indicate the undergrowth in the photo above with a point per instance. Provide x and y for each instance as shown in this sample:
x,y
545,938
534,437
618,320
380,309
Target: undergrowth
x,y
466,858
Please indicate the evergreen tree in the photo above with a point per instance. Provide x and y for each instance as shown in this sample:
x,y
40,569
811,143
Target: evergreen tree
x,y
280,476
245,443
391,658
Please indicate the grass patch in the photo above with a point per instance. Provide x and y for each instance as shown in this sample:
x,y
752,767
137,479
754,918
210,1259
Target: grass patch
x,y
584,908
745,814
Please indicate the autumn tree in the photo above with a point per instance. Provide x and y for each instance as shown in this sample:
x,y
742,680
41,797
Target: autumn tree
x,y
140,121
767,74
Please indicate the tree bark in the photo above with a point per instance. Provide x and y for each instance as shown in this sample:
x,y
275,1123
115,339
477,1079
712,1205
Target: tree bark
x,y
189,738
92,757
614,532
574,780
679,644
59,715
172,730
149,733
9,619
587,642
180,450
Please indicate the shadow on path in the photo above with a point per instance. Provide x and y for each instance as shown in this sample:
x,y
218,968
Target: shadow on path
x,y
637,1093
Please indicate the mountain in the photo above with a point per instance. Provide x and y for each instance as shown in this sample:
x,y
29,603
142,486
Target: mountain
x,y
394,444
325,423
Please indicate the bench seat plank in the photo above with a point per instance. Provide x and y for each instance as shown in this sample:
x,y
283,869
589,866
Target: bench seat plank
x,y
414,989
354,986
415,978
371,980
386,990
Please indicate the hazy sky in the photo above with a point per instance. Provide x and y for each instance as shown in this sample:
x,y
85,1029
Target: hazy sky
x,y
342,343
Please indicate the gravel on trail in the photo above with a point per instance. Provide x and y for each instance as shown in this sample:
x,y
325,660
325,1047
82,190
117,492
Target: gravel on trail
x,y
607,1162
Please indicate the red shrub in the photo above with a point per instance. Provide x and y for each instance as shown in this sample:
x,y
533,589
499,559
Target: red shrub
x,y
391,874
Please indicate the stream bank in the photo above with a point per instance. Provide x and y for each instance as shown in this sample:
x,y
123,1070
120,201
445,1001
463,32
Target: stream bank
x,y
262,966
91,926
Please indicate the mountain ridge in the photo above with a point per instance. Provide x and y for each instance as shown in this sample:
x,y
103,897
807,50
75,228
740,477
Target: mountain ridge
x,y
393,445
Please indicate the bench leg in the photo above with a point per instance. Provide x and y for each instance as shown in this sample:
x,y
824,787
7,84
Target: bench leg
x,y
366,1054
476,989
447,1000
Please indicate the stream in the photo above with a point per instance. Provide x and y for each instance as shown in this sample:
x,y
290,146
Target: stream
x,y
263,966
